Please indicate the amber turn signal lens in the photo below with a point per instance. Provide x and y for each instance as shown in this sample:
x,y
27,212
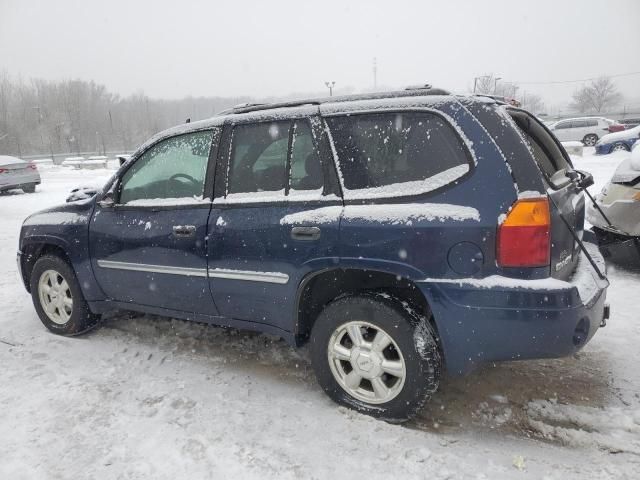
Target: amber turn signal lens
x,y
528,212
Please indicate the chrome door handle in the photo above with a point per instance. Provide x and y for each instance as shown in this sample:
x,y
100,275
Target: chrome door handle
x,y
184,230
305,233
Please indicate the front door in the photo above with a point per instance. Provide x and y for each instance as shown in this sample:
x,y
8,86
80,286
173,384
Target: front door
x,y
149,248
276,219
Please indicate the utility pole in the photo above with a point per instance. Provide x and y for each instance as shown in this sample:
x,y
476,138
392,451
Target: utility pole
x,y
330,86
375,74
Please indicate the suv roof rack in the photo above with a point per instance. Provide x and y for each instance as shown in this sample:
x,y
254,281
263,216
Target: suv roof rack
x,y
412,91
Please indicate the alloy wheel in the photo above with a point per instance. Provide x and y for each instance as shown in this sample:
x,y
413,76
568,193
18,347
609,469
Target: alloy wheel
x,y
619,147
366,362
55,297
590,140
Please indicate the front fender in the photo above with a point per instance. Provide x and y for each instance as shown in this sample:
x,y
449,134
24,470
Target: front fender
x,y
65,228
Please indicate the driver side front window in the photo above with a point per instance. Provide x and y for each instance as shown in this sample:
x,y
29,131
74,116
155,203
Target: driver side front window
x,y
172,169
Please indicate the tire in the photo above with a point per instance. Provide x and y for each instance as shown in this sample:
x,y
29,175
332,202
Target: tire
x,y
413,346
590,140
619,147
65,317
31,188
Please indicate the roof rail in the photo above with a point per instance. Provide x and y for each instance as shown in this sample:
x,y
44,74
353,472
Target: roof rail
x,y
414,91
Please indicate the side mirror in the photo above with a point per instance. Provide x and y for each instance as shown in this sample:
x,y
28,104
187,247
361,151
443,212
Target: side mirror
x,y
106,201
81,193
583,179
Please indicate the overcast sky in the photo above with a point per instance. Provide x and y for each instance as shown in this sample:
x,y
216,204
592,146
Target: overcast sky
x,y
177,48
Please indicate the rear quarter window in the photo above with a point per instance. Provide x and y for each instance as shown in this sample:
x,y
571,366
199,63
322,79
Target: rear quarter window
x,y
379,152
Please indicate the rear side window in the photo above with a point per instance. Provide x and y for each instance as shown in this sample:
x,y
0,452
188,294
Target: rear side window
x,y
548,155
275,160
379,150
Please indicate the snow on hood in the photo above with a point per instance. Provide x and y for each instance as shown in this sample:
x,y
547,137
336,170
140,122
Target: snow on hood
x,y
623,135
629,169
8,160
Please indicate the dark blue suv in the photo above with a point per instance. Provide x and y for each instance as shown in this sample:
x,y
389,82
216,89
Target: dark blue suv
x,y
399,234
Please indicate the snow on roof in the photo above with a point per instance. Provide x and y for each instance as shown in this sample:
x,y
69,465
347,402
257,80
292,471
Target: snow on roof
x,y
8,160
623,135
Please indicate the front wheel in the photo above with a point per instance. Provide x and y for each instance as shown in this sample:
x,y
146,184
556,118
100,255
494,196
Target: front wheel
x,y
372,355
58,299
590,140
620,147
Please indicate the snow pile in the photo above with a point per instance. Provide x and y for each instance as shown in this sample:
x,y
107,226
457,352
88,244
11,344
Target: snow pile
x,y
415,187
616,430
393,214
623,135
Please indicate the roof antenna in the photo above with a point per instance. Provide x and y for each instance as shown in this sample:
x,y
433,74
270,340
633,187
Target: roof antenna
x,y
188,120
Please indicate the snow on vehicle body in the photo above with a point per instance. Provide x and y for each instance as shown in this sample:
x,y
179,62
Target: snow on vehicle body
x,y
618,141
619,203
399,233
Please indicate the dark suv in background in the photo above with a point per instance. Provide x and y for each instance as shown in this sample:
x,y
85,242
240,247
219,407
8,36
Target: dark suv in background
x,y
400,234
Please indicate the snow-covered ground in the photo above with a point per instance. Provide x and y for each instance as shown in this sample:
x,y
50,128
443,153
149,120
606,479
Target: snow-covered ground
x,y
152,397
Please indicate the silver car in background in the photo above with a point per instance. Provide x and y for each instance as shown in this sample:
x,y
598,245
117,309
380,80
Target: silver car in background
x,y
16,173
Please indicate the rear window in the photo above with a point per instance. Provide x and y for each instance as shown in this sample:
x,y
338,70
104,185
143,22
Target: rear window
x,y
548,155
383,149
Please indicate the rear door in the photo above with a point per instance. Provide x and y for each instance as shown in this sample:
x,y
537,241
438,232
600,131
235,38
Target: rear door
x,y
150,247
275,217
569,200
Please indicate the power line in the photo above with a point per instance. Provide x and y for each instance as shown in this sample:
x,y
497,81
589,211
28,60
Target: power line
x,y
557,82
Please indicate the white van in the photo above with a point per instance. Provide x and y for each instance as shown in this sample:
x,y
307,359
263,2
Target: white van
x,y
586,129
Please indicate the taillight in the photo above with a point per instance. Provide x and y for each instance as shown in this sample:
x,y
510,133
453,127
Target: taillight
x,y
3,170
523,237
616,127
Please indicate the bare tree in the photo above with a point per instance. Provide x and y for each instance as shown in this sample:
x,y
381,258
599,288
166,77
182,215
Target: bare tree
x,y
599,94
483,85
533,103
76,116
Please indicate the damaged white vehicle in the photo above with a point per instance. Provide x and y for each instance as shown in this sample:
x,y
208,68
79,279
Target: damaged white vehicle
x,y
616,215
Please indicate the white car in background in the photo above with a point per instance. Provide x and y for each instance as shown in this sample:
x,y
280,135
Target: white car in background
x,y
585,129
16,173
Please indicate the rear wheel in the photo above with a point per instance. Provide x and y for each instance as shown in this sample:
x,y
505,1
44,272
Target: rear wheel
x,y
590,140
620,147
58,299
31,188
372,355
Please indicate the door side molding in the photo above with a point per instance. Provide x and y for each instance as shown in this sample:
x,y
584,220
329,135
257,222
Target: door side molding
x,y
268,277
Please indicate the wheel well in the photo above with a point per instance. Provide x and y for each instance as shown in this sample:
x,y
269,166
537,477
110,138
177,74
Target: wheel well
x,y
324,287
33,252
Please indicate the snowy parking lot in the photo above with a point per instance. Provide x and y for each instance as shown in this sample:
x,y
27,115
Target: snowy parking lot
x,y
152,397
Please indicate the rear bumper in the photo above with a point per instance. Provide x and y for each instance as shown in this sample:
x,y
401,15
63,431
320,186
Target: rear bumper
x,y
17,181
491,320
